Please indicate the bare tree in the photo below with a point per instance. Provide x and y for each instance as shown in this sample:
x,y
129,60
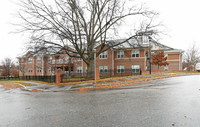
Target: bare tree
x,y
7,67
78,26
191,57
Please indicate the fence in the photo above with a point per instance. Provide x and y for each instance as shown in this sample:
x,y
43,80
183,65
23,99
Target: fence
x,y
35,78
104,74
74,77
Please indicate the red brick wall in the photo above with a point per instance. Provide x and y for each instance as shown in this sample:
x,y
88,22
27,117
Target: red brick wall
x,y
127,62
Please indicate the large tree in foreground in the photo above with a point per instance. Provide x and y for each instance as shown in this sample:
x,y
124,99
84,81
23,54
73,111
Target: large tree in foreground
x,y
82,24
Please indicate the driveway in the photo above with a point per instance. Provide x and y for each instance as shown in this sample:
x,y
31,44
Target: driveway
x,y
161,103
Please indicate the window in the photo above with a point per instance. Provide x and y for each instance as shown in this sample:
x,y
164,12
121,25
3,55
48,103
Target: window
x,y
147,68
39,69
66,59
49,59
135,53
79,69
120,54
103,69
103,55
72,60
30,70
100,69
22,69
60,61
166,68
136,68
49,69
57,61
78,58
86,69
53,61
53,72
120,69
38,59
22,60
30,59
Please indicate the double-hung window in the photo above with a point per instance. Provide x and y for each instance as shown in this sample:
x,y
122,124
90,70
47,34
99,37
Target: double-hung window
x,y
30,70
49,69
135,53
39,69
103,55
79,69
38,59
120,54
30,59
136,68
49,59
166,68
100,69
61,61
103,69
22,60
66,59
120,69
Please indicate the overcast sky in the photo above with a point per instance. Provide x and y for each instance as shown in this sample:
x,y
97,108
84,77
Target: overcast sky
x,y
180,17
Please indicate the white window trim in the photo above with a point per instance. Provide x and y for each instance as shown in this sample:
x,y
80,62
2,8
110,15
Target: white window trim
x,y
166,68
30,70
39,59
135,51
22,60
39,69
79,69
49,59
120,67
30,59
49,69
66,59
120,53
135,67
105,53
103,68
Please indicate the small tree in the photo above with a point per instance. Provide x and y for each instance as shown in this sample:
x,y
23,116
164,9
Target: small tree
x,y
159,59
7,66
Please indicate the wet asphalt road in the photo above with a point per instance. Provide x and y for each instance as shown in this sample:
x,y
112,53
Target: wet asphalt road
x,y
162,103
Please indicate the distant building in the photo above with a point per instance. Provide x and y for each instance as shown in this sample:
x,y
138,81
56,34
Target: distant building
x,y
122,58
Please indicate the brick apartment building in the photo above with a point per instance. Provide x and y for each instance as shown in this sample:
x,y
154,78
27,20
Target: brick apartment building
x,y
122,58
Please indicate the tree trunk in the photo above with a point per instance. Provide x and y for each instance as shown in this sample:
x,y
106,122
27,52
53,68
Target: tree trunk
x,y
90,69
